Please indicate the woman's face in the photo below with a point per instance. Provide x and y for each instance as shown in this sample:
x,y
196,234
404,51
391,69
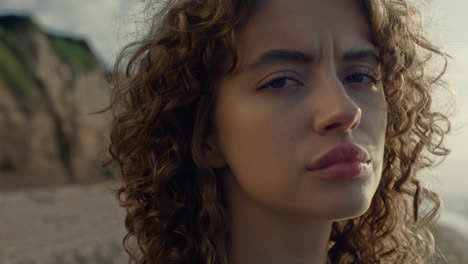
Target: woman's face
x,y
279,111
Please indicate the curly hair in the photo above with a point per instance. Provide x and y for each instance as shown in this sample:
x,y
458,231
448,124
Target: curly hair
x,y
165,89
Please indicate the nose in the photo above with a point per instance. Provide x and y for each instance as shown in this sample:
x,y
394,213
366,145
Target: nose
x,y
337,111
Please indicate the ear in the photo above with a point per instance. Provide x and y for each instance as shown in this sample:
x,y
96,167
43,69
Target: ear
x,y
213,154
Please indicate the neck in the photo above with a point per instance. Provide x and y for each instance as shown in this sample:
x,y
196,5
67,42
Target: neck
x,y
259,235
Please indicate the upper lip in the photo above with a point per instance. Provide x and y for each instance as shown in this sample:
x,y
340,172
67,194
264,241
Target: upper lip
x,y
340,153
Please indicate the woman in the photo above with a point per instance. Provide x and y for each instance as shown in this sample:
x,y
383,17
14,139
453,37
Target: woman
x,y
276,131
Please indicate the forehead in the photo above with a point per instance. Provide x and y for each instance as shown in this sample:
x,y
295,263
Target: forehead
x,y
313,26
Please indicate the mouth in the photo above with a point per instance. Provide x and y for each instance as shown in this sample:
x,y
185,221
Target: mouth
x,y
345,152
342,170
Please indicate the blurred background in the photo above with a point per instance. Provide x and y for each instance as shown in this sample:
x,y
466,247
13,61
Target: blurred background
x,y
56,203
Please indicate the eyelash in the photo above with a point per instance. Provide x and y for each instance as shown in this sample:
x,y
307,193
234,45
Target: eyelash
x,y
366,73
287,76
281,76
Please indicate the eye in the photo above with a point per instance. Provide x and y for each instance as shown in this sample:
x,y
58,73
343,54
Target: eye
x,y
361,76
281,82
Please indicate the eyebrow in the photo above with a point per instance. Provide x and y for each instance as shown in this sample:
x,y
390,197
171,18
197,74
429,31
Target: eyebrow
x,y
294,56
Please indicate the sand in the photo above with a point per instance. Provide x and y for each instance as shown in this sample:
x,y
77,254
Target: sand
x,y
84,224
69,224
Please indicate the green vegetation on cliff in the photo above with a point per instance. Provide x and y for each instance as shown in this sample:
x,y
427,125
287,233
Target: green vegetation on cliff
x,y
73,52
17,49
12,68
15,75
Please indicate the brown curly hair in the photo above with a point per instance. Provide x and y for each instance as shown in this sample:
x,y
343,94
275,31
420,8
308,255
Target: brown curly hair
x,y
165,89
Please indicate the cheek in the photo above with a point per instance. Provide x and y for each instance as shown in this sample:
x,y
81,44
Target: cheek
x,y
374,114
257,145
255,141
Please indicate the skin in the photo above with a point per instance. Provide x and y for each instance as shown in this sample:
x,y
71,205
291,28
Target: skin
x,y
265,137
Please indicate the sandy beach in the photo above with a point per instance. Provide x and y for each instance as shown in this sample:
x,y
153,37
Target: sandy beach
x,y
83,224
70,224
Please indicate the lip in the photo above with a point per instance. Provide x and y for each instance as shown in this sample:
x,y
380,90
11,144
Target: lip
x,y
341,154
342,170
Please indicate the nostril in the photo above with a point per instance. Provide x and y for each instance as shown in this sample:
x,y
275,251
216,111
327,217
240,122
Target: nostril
x,y
332,126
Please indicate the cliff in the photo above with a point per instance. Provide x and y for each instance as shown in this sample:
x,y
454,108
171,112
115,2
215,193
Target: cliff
x,y
49,86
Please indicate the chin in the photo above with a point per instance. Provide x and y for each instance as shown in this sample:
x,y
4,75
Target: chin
x,y
350,202
344,209
349,210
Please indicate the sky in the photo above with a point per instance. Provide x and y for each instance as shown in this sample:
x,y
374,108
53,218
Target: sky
x,y
110,24
106,24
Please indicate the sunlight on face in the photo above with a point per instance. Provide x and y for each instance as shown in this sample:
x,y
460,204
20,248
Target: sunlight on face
x,y
306,81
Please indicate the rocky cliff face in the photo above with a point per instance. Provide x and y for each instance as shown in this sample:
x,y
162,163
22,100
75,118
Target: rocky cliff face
x,y
49,85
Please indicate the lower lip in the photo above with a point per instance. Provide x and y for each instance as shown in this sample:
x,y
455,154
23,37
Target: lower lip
x,y
342,170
